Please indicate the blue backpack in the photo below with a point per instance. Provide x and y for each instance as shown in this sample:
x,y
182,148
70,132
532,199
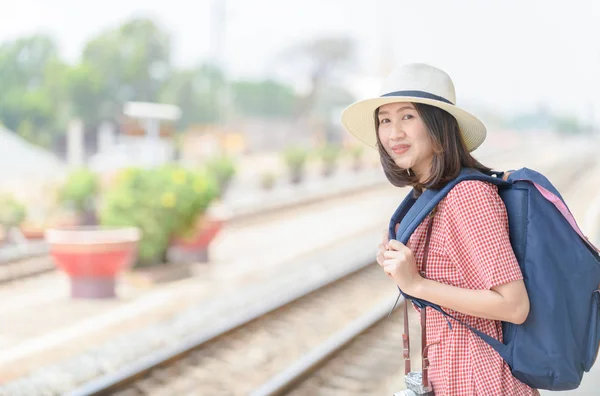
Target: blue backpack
x,y
560,338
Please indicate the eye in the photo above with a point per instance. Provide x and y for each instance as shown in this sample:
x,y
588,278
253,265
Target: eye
x,y
407,117
384,120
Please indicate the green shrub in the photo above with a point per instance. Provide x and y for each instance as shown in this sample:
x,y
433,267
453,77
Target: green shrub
x,y
162,202
295,159
12,212
79,190
356,152
267,179
329,154
223,169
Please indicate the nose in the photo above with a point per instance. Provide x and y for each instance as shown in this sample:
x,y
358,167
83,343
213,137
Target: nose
x,y
397,133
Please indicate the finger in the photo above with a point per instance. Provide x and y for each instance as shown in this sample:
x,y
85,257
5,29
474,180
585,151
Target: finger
x,y
385,239
389,271
380,258
390,254
399,246
390,263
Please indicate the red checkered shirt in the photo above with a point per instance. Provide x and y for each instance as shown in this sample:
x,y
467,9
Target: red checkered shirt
x,y
469,248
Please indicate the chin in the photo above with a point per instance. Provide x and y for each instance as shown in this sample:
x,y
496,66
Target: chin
x,y
402,164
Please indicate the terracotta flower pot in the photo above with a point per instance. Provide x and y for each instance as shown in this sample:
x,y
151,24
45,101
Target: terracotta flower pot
x,y
194,248
328,170
93,256
32,232
296,176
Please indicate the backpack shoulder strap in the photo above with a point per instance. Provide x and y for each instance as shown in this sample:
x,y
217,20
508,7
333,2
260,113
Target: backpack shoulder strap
x,y
411,211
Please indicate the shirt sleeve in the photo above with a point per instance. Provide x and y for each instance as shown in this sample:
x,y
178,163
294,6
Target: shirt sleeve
x,y
477,235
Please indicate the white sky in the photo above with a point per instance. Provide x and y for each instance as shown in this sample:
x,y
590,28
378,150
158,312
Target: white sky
x,y
505,54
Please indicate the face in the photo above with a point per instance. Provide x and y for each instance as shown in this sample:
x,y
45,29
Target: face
x,y
405,138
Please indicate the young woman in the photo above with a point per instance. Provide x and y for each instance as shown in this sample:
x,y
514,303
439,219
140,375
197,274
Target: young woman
x,y
423,140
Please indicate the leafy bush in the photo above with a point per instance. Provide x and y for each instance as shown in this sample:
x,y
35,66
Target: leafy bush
x,y
295,157
79,190
267,179
12,212
356,152
162,202
329,154
223,169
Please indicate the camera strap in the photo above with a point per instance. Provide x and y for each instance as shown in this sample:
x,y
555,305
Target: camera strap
x,y
405,336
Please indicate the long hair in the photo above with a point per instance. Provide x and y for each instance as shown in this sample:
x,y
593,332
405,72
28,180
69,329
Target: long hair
x,y
450,153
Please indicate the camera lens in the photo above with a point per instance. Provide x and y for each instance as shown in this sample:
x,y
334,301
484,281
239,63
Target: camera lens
x,y
407,392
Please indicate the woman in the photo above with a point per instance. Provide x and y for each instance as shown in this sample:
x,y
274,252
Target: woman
x,y
471,270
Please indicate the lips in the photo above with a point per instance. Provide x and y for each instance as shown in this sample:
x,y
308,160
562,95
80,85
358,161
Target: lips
x,y
400,148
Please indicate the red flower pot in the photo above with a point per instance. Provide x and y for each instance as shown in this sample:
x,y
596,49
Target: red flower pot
x,y
195,247
93,257
32,233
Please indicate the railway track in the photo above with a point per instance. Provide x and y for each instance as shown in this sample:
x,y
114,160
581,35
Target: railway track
x,y
364,359
245,354
25,268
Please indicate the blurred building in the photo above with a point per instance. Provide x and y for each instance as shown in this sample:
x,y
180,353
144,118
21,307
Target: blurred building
x,y
27,171
129,145
23,163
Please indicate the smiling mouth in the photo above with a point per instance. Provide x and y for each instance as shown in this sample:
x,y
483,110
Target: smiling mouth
x,y
400,149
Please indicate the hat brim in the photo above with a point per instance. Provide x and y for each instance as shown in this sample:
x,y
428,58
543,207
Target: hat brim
x,y
359,119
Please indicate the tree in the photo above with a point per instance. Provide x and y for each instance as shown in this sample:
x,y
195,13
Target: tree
x,y
195,91
131,62
32,77
90,95
264,98
24,60
323,58
568,125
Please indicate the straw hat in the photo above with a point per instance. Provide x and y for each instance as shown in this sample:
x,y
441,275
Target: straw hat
x,y
415,82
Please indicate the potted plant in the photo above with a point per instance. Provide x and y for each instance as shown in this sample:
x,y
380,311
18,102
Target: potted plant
x,y
12,214
32,231
200,223
295,159
162,202
223,169
142,198
329,155
79,194
267,180
93,256
356,152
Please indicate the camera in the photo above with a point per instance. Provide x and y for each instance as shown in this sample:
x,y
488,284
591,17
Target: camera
x,y
414,385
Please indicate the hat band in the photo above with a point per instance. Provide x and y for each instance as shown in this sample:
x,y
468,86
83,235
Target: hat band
x,y
418,94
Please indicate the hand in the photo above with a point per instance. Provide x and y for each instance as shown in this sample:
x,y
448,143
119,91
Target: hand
x,y
399,263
